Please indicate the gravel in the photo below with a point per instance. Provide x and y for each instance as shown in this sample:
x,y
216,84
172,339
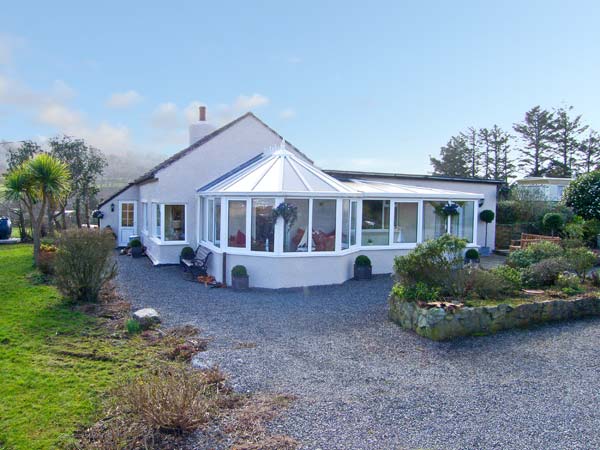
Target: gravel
x,y
364,383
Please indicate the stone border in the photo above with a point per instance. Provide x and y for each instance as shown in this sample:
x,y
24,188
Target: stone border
x,y
440,325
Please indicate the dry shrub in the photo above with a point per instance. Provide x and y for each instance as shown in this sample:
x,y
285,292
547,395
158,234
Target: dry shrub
x,y
179,343
45,262
172,400
84,263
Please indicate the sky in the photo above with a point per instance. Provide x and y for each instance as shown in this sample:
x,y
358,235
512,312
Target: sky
x,y
376,86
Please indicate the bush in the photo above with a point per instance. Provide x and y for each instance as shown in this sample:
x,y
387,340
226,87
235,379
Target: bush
x,y
591,229
508,212
362,261
487,284
84,263
487,215
568,280
419,291
534,253
553,221
582,195
511,276
544,273
46,261
239,271
581,260
472,254
437,263
187,253
133,326
135,243
595,277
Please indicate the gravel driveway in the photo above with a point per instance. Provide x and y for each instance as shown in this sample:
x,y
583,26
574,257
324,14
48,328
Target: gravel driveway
x,y
364,383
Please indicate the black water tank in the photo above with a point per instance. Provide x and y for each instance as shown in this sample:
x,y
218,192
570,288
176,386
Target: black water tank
x,y
5,228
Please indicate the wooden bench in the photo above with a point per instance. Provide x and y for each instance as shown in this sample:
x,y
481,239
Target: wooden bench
x,y
198,265
527,239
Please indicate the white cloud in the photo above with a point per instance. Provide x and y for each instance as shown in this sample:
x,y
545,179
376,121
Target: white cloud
x,y
287,113
166,116
123,99
59,116
246,102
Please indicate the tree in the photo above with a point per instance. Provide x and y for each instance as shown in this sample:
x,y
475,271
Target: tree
x,y
567,131
583,195
485,139
537,133
589,152
473,157
502,165
36,183
453,159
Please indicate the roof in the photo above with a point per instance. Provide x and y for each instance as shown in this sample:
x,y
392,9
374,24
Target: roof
x,y
150,175
381,189
281,172
341,174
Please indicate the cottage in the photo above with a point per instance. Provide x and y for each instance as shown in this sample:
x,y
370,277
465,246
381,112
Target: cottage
x,y
254,199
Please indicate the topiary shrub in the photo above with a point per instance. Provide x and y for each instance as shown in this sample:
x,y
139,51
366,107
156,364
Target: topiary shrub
x,y
581,260
187,253
553,221
239,271
472,254
84,263
135,243
545,272
534,253
362,261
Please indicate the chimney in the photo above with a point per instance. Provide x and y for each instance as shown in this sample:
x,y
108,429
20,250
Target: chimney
x,y
201,128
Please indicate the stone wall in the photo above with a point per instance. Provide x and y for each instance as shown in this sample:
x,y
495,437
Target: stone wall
x,y
439,324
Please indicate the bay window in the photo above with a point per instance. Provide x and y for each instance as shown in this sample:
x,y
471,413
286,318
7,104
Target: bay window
x,y
263,225
406,218
295,236
174,223
323,225
375,222
237,223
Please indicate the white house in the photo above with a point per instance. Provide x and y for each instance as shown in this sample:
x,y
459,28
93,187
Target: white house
x,y
220,192
548,188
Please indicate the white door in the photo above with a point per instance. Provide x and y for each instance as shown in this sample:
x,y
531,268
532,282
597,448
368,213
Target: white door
x,y
127,222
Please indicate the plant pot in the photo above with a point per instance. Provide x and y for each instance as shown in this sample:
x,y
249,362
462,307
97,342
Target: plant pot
x,y
484,251
472,260
5,228
137,252
240,283
363,272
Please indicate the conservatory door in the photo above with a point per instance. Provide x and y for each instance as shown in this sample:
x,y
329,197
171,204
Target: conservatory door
x,y
127,222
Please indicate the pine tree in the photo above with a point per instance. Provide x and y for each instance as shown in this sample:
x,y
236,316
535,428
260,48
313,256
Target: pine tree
x,y
537,133
502,164
589,152
566,141
454,159
484,138
471,138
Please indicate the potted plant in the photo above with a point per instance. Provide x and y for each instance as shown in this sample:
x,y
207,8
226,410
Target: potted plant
x,y
362,268
239,278
136,248
186,253
471,256
487,216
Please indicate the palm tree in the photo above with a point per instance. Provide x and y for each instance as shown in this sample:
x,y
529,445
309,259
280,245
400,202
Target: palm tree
x,y
36,183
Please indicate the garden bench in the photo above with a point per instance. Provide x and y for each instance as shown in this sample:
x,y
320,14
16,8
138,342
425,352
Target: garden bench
x,y
198,265
528,239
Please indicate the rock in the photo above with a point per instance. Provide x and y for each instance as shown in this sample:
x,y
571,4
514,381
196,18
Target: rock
x,y
146,317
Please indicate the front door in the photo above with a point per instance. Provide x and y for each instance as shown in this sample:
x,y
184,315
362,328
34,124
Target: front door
x,y
127,222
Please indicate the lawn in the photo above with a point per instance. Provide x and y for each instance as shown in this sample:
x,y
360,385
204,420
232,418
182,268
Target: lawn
x,y
55,363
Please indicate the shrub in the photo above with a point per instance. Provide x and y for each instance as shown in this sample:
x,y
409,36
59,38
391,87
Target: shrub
x,y
511,276
84,263
568,280
591,229
544,273
582,195
534,253
508,212
135,243
437,263
46,261
362,260
187,253
472,254
595,277
239,271
581,260
418,291
487,215
553,221
133,326
487,284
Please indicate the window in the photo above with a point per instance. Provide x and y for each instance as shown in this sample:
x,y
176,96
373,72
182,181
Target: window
x,y
127,214
323,225
376,222
295,237
435,222
353,209
348,223
145,216
174,222
157,221
212,232
263,225
462,223
405,222
237,223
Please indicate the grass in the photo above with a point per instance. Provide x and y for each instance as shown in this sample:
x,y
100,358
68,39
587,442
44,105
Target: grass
x,y
57,364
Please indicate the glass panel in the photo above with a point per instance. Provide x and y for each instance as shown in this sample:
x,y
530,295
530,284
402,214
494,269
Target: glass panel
x,y
237,223
157,221
210,228
435,223
353,209
345,224
405,222
144,216
462,224
376,222
126,214
217,223
263,226
295,237
323,225
174,223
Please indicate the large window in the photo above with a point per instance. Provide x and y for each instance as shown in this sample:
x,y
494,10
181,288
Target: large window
x,y
156,209
376,222
145,216
263,226
435,222
323,225
348,223
237,223
174,222
462,223
405,222
212,232
295,236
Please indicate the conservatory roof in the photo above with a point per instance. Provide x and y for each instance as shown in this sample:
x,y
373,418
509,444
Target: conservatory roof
x,y
283,173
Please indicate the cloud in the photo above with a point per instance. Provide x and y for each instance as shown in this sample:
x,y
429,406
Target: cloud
x,y
287,113
246,102
123,99
167,116
59,116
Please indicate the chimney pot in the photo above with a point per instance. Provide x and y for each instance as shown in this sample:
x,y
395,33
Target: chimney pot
x,y
202,113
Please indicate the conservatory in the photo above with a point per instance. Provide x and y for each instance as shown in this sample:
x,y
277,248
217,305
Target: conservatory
x,y
291,224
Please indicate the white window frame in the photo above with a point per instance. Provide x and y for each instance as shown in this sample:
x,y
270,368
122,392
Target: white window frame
x,y
144,226
162,223
393,220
